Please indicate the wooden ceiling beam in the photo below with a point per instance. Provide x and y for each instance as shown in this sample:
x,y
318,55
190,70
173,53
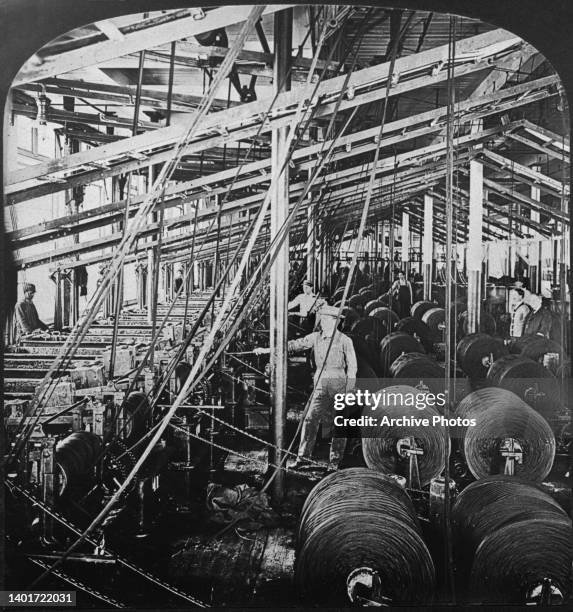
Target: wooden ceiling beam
x,y
123,94
557,140
523,172
360,84
37,68
521,198
561,156
342,176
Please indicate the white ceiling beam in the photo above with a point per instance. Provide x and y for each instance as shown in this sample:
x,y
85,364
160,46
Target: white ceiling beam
x,y
37,69
360,84
108,28
519,170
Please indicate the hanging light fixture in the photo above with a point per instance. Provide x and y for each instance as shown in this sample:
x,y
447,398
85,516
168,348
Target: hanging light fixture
x,y
43,102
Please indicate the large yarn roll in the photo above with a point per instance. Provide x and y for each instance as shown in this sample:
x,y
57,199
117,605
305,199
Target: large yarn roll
x,y
509,537
500,423
75,458
382,444
355,523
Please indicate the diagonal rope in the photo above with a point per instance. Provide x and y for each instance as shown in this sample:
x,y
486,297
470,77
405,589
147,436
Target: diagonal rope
x,y
130,237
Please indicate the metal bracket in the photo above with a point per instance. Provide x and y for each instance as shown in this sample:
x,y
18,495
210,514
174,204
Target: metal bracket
x,y
512,451
407,448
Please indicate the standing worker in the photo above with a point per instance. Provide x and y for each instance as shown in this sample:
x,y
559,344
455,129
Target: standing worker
x,y
402,292
519,313
540,320
335,373
308,303
178,280
26,314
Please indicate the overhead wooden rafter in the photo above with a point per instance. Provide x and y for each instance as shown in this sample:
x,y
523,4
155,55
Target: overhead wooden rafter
x,y
38,68
524,174
124,94
254,173
402,178
364,86
341,182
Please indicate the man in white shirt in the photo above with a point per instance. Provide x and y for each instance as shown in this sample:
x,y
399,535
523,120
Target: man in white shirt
x,y
519,313
305,301
308,303
335,373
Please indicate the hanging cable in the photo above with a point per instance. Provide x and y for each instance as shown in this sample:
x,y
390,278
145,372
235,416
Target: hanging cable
x,y
159,388
448,289
129,238
364,217
247,27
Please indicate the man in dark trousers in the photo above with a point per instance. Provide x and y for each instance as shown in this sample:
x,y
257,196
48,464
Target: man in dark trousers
x,y
402,292
519,313
540,320
26,314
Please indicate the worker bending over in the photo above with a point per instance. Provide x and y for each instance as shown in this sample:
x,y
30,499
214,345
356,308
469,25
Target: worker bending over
x,y
26,314
335,373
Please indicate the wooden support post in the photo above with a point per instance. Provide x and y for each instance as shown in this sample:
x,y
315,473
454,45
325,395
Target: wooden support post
x,y
140,284
428,246
475,246
310,243
381,251
534,249
320,259
406,242
150,283
279,270
57,278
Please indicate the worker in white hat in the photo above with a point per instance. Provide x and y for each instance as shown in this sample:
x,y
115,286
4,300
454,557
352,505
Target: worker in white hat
x,y
335,373
27,317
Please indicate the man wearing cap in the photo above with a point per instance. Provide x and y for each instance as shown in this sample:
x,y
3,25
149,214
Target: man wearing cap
x,y
335,373
308,303
540,320
519,313
26,313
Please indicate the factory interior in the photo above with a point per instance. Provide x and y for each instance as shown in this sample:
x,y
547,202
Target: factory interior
x,y
225,219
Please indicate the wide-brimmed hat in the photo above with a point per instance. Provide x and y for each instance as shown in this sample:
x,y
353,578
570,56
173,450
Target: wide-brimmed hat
x,y
330,311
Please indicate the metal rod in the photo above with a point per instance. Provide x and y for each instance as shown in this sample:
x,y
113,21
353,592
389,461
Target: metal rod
x,y
448,288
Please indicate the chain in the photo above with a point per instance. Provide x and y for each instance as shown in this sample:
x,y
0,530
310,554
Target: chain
x,y
238,454
252,367
253,437
240,380
111,554
127,451
80,585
